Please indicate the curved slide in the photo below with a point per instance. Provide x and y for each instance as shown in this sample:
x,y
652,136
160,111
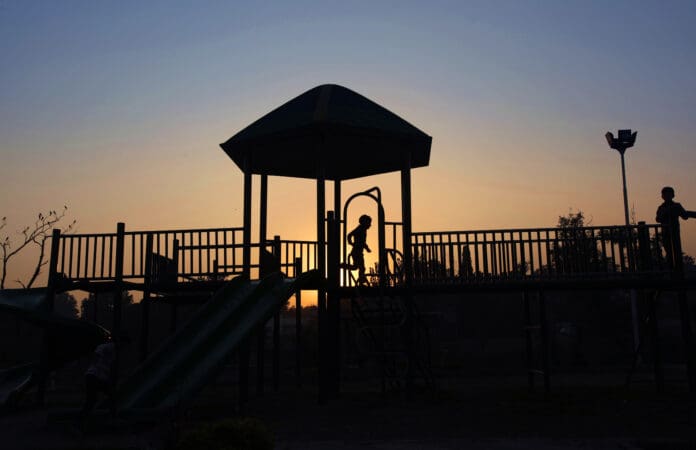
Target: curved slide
x,y
188,360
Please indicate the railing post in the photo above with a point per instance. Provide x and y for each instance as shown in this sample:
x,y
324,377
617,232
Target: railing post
x,y
173,307
333,310
644,247
544,343
408,269
528,338
276,325
117,294
260,358
53,278
95,314
246,250
655,331
47,340
644,263
321,292
298,326
145,302
685,318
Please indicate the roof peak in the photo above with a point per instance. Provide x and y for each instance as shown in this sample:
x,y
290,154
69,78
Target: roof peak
x,y
360,136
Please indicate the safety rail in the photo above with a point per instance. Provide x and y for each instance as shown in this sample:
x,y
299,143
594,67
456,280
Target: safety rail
x,y
293,252
449,257
195,254
494,256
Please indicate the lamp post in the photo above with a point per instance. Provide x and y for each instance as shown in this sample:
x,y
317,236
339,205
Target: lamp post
x,y
624,141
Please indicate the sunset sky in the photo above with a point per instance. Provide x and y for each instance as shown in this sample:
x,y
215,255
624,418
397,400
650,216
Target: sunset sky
x,y
117,108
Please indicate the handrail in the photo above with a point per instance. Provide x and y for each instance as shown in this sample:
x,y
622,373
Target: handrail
x,y
196,254
490,256
469,256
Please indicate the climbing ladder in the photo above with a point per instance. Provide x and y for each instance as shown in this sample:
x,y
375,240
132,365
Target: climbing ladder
x,y
380,334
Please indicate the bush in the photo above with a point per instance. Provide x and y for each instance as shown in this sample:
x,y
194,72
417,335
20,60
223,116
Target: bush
x,y
228,434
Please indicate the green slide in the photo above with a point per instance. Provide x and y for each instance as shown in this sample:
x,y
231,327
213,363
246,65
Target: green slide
x,y
24,299
66,339
188,360
14,379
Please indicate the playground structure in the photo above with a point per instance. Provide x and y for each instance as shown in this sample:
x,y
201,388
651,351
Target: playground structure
x,y
330,133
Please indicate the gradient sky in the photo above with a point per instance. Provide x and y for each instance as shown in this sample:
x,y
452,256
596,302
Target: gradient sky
x,y
117,108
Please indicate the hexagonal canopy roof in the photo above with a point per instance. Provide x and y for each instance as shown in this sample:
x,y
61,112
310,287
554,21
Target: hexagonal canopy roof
x,y
349,134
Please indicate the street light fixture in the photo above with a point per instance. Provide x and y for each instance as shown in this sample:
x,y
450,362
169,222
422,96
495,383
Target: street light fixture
x,y
624,141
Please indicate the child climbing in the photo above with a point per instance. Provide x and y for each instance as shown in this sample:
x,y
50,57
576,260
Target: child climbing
x,y
358,240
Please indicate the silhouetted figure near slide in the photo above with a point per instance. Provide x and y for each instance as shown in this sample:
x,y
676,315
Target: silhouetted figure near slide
x,y
358,239
99,376
668,214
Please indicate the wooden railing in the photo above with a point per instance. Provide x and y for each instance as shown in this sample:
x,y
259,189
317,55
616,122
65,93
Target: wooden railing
x,y
297,255
195,254
454,257
496,256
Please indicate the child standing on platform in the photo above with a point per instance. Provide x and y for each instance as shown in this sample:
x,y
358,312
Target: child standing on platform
x,y
358,240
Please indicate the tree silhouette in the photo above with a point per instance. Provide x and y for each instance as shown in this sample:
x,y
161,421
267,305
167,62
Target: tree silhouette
x,y
35,235
575,248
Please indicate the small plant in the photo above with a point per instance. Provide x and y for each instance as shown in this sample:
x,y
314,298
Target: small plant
x,y
228,434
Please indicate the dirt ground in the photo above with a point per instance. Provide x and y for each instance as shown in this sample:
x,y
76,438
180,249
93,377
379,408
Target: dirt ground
x,y
584,411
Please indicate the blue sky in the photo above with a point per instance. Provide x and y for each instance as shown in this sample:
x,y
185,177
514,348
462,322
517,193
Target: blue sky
x,y
117,107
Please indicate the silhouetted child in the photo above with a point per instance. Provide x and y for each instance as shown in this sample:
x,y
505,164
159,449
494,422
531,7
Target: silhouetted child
x,y
358,239
668,214
99,376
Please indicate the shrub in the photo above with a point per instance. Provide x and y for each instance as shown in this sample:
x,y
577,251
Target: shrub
x,y
228,434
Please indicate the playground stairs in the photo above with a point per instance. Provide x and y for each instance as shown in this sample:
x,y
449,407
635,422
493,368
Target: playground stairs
x,y
380,335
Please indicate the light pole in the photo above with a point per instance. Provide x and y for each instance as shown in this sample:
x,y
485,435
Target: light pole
x,y
624,141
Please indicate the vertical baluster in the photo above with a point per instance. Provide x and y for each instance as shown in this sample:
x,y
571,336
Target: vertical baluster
x,y
76,262
70,257
200,253
63,243
477,269
102,262
234,251
540,254
191,269
85,269
94,257
486,255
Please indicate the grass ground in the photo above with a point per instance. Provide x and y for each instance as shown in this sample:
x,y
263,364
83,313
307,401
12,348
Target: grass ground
x,y
584,410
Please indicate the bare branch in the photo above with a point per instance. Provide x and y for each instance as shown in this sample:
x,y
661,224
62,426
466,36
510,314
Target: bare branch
x,y
36,234
39,264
